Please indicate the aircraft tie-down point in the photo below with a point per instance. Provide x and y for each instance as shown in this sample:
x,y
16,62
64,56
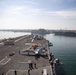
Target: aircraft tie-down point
x,y
39,50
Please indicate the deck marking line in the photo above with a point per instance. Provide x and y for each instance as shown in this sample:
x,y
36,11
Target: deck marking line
x,y
14,70
1,62
20,39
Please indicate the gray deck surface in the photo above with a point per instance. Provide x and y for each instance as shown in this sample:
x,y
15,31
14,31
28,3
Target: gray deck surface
x,y
10,63
32,72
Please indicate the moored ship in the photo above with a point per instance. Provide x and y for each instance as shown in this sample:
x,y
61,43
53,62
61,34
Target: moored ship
x,y
65,33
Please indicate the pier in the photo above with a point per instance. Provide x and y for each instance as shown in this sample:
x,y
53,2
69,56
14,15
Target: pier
x,y
13,62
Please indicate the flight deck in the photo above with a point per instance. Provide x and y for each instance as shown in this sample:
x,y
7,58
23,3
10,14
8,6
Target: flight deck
x,y
15,62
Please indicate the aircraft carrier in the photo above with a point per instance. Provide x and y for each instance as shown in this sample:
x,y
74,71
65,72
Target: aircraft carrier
x,y
12,62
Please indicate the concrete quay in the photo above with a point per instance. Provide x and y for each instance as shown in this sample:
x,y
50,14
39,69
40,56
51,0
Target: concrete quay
x,y
10,64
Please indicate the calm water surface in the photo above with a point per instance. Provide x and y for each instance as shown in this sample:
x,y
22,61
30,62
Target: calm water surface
x,y
64,48
11,34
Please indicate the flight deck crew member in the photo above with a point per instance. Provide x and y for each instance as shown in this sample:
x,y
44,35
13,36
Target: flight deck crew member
x,y
28,72
15,72
35,65
31,66
19,52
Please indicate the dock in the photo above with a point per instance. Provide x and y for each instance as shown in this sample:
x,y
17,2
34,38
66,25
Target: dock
x,y
17,63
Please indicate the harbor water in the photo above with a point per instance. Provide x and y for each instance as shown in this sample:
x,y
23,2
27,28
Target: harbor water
x,y
63,48
4,34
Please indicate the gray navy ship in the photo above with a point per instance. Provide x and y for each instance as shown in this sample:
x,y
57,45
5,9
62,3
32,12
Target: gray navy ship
x,y
65,33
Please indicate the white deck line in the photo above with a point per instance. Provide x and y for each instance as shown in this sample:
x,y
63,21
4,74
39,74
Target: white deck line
x,y
2,60
20,38
31,44
32,40
5,62
14,70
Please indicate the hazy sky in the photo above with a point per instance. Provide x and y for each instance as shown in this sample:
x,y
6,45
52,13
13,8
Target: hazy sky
x,y
35,14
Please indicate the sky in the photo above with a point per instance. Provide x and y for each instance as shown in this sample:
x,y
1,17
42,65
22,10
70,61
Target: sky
x,y
36,14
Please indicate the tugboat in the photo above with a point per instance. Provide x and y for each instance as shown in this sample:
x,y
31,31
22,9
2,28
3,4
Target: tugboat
x,y
57,61
50,44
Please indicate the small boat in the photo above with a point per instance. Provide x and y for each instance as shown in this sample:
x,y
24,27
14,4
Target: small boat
x,y
57,61
50,44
